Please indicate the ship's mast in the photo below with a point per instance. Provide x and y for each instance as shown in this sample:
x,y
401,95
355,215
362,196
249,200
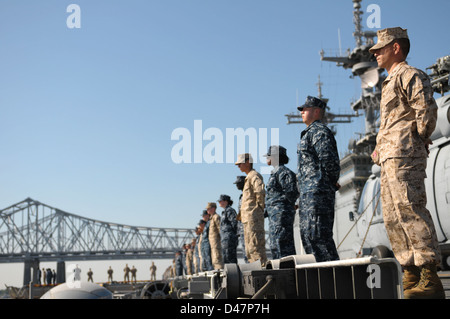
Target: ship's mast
x,y
319,88
329,117
357,18
363,65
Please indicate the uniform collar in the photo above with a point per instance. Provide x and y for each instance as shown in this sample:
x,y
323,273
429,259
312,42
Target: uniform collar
x,y
396,70
276,168
250,173
310,126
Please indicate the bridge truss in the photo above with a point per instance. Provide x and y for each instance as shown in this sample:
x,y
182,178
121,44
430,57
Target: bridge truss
x,y
31,229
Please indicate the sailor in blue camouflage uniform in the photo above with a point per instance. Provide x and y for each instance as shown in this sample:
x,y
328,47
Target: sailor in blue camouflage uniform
x,y
318,174
281,195
178,264
228,230
205,245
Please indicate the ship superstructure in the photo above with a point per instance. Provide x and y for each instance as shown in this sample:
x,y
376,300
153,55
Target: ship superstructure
x,y
359,228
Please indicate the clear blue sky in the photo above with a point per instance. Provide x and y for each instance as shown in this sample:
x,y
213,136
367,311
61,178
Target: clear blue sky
x,y
87,114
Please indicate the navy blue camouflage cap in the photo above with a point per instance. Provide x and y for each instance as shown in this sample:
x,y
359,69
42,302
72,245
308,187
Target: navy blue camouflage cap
x,y
224,197
239,179
275,150
312,101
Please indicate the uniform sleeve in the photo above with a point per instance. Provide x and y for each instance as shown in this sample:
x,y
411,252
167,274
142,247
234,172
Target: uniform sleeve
x,y
231,217
214,229
216,223
288,183
326,150
259,191
420,97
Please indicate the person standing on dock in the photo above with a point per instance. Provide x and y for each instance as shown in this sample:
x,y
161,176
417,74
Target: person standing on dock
x,y
318,174
49,276
39,274
126,276
89,274
133,274
153,271
408,115
110,274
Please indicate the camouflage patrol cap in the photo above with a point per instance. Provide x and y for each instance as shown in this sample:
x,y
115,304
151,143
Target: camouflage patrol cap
x,y
243,157
386,36
211,204
276,150
312,101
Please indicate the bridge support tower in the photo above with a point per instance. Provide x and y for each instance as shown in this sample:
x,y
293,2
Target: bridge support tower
x,y
60,272
31,271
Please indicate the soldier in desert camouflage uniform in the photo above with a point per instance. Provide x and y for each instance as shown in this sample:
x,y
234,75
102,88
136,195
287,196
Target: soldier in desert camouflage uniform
x,y
195,255
281,194
318,173
199,232
252,210
214,236
408,118
189,260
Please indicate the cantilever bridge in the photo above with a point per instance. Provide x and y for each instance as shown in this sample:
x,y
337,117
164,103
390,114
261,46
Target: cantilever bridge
x,y
31,232
31,229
